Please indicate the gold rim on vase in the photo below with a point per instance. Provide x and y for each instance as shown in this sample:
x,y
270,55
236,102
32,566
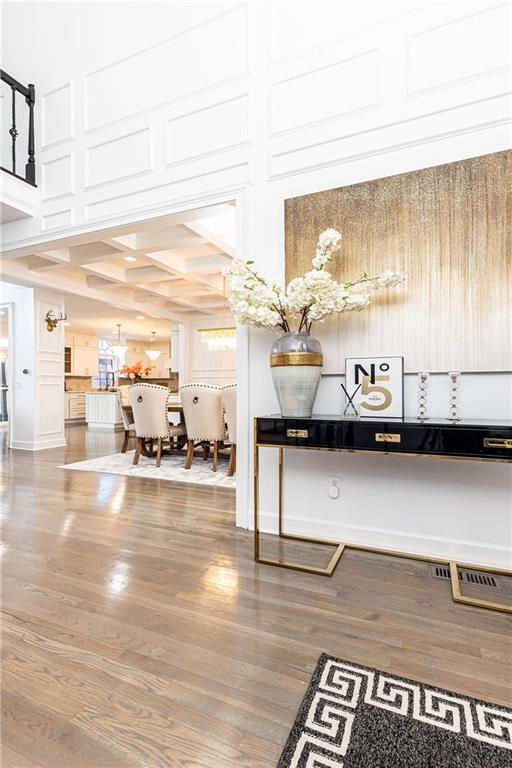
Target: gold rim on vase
x,y
296,358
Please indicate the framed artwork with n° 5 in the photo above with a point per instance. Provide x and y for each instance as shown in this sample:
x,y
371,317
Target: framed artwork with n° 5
x,y
378,383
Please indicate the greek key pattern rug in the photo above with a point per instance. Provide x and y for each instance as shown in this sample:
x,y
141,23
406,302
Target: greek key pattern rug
x,y
358,717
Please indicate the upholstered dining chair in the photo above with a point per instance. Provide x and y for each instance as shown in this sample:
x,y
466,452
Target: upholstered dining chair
x,y
149,406
229,396
126,414
204,417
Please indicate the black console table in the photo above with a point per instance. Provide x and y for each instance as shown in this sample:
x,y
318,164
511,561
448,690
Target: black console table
x,y
475,440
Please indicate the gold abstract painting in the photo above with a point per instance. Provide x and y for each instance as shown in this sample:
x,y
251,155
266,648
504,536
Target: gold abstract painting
x,y
449,229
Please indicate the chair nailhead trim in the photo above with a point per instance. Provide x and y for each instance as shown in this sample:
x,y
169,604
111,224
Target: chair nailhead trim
x,y
181,429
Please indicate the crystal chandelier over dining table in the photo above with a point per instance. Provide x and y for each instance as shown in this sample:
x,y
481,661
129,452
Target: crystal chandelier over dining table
x,y
218,339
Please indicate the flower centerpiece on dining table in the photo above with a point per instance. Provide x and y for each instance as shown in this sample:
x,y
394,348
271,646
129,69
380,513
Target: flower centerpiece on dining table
x,y
296,357
136,372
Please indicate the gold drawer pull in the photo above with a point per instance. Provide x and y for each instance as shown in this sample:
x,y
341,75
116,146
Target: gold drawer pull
x,y
497,442
296,433
386,437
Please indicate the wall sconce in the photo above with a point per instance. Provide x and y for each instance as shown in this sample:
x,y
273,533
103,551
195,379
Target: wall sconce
x,y
51,320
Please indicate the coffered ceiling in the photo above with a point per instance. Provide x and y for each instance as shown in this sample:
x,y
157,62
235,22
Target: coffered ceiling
x,y
169,268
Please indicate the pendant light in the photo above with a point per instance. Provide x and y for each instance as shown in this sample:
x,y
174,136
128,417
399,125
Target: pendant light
x,y
219,339
119,349
153,353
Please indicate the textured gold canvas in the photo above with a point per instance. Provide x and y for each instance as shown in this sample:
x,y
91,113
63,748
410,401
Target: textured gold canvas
x,y
449,228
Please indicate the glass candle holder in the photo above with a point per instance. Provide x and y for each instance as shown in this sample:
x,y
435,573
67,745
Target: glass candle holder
x,y
422,395
351,411
454,377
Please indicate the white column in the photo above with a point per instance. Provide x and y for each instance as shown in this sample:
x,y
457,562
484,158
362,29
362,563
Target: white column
x,y
37,411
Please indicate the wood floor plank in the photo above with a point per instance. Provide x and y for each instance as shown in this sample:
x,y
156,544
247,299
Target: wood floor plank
x,y
138,631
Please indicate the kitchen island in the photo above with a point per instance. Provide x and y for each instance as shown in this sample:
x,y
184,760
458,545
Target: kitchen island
x,y
102,411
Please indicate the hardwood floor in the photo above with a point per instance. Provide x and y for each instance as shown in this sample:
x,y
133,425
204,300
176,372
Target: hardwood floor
x,y
138,631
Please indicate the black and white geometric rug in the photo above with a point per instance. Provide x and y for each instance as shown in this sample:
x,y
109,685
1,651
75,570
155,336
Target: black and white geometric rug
x,y
358,717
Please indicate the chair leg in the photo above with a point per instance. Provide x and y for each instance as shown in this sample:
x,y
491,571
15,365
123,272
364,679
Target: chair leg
x,y
215,455
158,451
232,460
138,449
126,439
206,451
190,454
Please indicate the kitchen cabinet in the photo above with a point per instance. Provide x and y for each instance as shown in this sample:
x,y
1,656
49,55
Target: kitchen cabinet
x,y
85,361
84,340
81,354
103,411
74,406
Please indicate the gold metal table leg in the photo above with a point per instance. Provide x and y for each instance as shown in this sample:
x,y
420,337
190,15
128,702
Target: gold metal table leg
x,y
458,597
328,570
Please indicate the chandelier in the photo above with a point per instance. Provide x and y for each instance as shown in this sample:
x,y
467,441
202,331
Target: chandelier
x,y
119,349
219,339
151,352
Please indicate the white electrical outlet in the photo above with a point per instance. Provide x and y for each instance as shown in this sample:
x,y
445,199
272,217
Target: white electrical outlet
x,y
334,487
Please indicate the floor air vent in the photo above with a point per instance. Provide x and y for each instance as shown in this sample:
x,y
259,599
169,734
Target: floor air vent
x,y
467,577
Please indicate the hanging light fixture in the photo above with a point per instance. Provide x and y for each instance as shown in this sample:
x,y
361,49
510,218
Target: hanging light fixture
x,y
219,339
119,349
151,352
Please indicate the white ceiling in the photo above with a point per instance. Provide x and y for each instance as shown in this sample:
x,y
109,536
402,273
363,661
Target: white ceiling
x,y
165,269
91,316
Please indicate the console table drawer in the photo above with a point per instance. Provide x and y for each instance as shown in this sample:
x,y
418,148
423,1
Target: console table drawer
x,y
390,438
487,443
299,433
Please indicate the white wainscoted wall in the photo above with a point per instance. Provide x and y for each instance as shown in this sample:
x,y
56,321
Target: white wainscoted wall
x,y
160,106
203,365
36,369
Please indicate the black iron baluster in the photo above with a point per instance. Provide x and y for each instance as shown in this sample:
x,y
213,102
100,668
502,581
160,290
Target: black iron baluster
x,y
29,93
13,131
30,167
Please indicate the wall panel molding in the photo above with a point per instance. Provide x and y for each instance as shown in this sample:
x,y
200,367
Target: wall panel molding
x,y
460,56
126,82
57,116
50,421
207,131
392,137
161,196
57,219
57,177
346,86
49,367
122,157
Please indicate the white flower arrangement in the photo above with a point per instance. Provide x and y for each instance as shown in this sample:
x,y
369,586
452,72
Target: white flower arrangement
x,y
307,299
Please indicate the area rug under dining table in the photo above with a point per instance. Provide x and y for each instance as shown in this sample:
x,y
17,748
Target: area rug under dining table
x,y
171,469
359,717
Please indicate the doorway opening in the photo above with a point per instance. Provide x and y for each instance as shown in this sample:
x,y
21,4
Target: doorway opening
x,y
4,365
148,295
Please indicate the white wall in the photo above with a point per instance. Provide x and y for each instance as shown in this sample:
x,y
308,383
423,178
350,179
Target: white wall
x,y
203,365
161,106
37,397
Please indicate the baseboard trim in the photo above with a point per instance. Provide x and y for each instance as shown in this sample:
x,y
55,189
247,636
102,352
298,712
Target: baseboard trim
x,y
426,546
27,445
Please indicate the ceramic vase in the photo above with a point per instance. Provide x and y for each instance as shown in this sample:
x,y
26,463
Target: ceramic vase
x,y
296,362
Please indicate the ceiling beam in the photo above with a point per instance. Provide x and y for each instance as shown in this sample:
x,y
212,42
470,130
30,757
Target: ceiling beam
x,y
211,237
100,283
